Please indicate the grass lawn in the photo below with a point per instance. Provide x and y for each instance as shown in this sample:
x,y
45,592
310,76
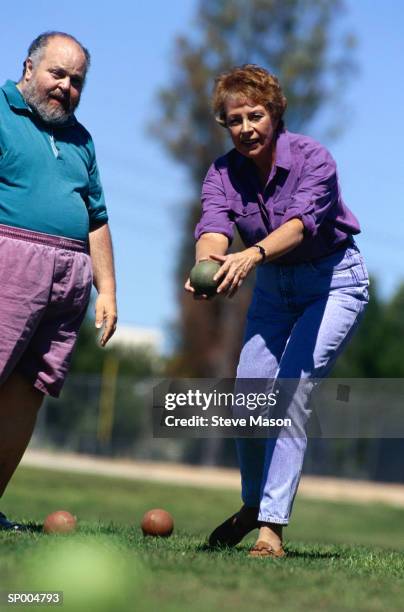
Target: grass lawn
x,y
340,556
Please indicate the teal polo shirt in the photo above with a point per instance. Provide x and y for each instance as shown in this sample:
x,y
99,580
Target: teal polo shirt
x,y
49,180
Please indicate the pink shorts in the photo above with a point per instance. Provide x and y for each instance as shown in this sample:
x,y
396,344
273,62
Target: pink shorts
x,y
45,286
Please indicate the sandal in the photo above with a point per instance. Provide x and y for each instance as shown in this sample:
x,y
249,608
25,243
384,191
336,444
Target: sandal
x,y
264,549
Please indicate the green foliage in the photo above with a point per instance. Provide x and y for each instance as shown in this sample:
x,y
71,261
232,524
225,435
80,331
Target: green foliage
x,y
391,357
74,421
375,351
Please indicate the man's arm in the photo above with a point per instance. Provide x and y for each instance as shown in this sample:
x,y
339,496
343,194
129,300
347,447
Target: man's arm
x,y
104,280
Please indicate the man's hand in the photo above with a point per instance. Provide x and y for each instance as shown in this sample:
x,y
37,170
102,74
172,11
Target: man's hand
x,y
235,268
104,281
106,315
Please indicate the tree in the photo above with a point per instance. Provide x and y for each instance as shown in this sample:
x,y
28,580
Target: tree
x,y
293,39
376,348
390,351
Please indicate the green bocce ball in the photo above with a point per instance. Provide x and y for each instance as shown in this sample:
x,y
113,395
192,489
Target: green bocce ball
x,y
201,277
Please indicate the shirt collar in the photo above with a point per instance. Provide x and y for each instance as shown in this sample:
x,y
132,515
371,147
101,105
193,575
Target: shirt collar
x,y
14,96
283,156
16,101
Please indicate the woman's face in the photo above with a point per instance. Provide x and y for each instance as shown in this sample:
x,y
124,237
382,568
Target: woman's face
x,y
251,128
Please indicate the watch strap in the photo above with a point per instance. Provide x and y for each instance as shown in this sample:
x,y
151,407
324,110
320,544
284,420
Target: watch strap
x,y
261,250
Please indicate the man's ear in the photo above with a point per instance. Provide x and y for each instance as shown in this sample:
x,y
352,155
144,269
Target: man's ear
x,y
28,68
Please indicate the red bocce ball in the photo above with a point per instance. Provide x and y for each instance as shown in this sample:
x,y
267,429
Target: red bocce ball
x,y
60,522
157,522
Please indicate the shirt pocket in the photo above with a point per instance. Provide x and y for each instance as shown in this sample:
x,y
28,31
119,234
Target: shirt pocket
x,y
249,221
241,210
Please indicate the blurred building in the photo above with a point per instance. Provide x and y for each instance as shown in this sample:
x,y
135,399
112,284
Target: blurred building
x,y
127,336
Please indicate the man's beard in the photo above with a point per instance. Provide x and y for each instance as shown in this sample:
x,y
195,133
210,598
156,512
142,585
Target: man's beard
x,y
51,115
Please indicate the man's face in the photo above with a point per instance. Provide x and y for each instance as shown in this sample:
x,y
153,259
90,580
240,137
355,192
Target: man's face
x,y
52,87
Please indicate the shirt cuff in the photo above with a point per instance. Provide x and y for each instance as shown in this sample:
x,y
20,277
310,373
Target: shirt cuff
x,y
213,230
98,220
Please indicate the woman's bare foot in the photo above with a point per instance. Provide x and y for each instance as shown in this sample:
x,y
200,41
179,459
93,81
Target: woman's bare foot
x,y
271,533
269,542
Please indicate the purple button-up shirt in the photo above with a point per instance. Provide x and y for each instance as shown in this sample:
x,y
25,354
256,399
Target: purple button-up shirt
x,y
303,185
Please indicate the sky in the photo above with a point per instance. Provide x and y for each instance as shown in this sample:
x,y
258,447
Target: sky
x,y
132,57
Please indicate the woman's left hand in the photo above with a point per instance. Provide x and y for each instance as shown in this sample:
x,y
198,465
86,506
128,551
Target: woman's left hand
x,y
234,269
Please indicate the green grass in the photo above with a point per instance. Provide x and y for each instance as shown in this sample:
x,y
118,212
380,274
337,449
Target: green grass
x,y
340,556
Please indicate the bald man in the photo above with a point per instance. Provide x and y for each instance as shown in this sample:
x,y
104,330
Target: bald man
x,y
54,238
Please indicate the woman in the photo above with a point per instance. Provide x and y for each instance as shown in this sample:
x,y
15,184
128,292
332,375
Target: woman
x,y
281,191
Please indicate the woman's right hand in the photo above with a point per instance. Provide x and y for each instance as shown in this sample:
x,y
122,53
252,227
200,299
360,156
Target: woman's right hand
x,y
207,244
188,287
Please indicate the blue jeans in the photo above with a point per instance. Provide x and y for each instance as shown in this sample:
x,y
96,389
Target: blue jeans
x,y
300,319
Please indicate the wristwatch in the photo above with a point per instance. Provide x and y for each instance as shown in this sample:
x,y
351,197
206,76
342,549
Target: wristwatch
x,y
261,250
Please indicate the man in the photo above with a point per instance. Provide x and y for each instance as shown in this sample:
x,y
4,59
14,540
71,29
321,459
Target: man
x,y
54,238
